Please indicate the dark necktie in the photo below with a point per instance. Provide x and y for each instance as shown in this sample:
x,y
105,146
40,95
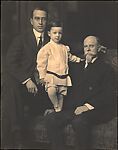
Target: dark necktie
x,y
39,43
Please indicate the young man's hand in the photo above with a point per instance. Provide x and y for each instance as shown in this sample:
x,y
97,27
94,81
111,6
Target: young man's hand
x,y
31,87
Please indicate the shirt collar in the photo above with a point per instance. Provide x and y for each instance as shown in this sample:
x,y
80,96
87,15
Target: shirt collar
x,y
51,41
93,60
38,34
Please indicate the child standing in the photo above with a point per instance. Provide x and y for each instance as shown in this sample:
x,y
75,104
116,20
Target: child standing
x,y
52,65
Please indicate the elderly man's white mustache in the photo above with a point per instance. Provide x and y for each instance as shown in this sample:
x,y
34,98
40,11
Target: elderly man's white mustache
x,y
89,53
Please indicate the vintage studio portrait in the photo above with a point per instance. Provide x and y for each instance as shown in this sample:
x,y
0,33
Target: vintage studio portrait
x,y
59,75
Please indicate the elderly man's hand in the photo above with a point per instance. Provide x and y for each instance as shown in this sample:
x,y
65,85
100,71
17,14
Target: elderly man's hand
x,y
80,109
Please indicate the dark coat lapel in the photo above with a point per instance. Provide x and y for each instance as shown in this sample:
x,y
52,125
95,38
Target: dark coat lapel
x,y
32,41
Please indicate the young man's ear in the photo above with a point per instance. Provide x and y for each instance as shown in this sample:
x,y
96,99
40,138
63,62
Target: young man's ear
x,y
31,21
48,33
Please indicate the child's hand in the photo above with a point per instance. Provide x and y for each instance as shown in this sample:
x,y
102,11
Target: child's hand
x,y
42,82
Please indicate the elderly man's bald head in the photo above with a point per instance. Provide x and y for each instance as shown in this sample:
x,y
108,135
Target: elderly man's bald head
x,y
92,38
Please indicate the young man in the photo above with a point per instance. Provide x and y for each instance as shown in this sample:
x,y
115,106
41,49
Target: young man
x,y
21,85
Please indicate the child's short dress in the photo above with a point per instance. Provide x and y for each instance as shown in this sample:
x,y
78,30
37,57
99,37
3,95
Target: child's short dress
x,y
52,64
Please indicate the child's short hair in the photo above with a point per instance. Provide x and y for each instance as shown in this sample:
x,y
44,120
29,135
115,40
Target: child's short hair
x,y
55,23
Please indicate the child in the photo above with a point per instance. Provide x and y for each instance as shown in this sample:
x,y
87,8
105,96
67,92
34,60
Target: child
x,y
52,65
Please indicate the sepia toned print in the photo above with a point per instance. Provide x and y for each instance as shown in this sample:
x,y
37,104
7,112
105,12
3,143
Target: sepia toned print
x,y
24,101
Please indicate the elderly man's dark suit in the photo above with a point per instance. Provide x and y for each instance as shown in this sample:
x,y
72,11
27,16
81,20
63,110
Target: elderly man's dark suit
x,y
93,85
20,65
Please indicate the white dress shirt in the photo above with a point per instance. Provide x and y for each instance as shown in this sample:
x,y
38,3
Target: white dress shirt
x,y
38,35
86,63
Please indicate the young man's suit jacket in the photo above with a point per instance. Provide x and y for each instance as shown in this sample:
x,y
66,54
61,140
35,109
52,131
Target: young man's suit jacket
x,y
21,57
20,66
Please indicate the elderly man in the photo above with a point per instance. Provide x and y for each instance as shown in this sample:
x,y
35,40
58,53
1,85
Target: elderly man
x,y
90,101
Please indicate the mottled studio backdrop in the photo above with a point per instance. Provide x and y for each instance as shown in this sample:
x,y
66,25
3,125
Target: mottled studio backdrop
x,y
80,19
